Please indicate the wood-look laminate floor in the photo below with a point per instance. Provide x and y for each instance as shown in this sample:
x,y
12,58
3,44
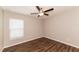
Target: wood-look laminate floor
x,y
41,45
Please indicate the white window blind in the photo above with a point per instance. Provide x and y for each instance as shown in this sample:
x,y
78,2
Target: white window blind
x,y
16,27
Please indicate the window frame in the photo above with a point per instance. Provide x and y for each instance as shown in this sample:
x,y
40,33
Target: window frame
x,y
16,30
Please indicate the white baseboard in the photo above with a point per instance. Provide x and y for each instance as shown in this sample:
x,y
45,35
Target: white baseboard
x,y
41,37
62,42
22,42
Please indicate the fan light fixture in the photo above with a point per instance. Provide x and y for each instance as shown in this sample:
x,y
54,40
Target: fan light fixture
x,y
41,14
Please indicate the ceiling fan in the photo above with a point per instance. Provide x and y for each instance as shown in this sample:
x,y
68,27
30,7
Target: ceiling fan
x,y
42,12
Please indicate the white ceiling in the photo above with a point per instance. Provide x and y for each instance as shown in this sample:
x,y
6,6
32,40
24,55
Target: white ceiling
x,y
30,9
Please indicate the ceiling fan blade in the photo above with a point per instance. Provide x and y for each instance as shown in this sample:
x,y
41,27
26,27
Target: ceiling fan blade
x,y
49,10
38,8
46,14
33,13
38,16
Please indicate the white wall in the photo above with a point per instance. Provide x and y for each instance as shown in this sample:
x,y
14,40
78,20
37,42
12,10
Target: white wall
x,y
33,28
64,27
1,29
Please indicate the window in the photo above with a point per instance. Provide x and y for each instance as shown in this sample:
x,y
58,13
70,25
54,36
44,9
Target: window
x,y
16,27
